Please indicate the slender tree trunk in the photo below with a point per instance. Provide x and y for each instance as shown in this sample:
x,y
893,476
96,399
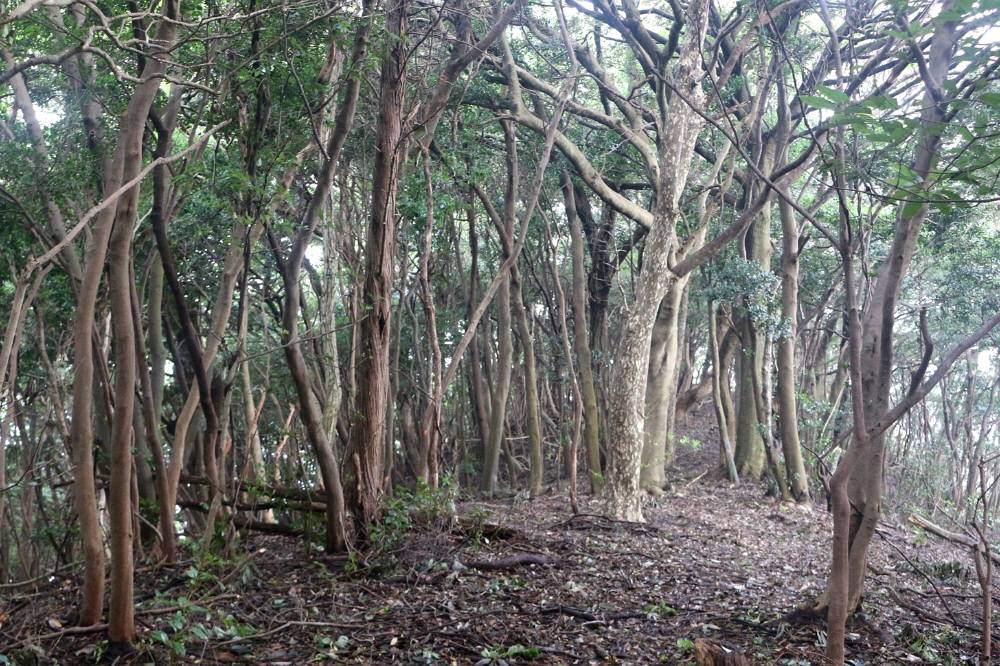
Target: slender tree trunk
x,y
581,341
501,389
857,484
477,385
121,622
535,445
430,423
720,412
166,539
798,481
81,435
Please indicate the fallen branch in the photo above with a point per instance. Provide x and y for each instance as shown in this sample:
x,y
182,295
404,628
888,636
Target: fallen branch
x,y
280,504
38,579
68,631
955,537
928,615
244,523
590,618
608,522
512,562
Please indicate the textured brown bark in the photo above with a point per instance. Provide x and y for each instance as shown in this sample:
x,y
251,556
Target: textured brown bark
x,y
128,152
581,341
365,454
310,409
121,617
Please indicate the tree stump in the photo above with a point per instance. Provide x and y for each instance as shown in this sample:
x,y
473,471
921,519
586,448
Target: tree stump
x,y
706,654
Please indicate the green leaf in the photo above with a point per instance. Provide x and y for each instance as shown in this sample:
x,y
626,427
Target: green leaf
x,y
881,102
817,102
912,208
685,643
837,96
522,652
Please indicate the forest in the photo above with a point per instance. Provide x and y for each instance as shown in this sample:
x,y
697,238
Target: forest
x,y
499,331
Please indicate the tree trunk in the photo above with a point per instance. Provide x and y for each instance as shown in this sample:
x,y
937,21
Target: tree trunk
x,y
477,385
720,413
365,451
661,389
129,146
121,617
501,389
798,481
678,131
430,423
581,341
535,445
750,454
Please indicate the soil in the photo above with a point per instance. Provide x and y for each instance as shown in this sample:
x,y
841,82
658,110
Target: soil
x,y
525,581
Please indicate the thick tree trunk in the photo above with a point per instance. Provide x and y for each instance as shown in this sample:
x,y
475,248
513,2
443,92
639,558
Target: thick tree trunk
x,y
365,452
750,454
678,132
661,389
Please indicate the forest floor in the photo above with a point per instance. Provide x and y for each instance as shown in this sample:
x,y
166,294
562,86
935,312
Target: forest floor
x,y
714,562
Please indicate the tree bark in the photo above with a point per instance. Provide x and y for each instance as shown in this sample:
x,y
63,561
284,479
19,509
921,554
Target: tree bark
x,y
661,389
678,130
128,150
720,412
581,341
798,481
365,452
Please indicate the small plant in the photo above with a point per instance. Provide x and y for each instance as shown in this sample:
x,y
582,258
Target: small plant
x,y
193,624
689,442
328,647
409,508
476,524
660,610
499,655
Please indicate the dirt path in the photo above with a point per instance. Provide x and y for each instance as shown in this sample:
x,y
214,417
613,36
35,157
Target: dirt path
x,y
715,562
